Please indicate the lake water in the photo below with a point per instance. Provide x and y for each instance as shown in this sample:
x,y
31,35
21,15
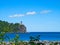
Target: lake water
x,y
43,35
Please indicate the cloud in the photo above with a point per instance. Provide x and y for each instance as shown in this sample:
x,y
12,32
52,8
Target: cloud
x,y
45,11
31,13
16,15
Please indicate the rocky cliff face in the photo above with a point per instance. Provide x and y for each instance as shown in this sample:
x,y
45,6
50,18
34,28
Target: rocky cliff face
x,y
22,28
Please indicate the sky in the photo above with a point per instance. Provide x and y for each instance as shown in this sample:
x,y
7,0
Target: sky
x,y
36,15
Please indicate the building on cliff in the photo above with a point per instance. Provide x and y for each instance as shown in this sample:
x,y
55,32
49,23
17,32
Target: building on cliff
x,y
22,28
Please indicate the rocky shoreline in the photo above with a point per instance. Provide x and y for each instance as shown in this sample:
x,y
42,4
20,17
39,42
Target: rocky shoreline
x,y
45,42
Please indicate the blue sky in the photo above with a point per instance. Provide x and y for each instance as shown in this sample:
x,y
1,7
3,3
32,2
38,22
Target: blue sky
x,y
37,15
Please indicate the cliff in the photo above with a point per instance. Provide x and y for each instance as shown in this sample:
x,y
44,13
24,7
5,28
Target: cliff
x,y
12,27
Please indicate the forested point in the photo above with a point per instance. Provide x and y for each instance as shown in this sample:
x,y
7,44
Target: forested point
x,y
12,27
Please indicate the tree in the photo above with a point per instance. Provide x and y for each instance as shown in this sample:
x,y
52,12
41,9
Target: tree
x,y
9,27
16,27
32,38
16,39
37,38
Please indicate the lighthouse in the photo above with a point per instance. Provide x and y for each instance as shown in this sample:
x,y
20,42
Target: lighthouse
x,y
22,28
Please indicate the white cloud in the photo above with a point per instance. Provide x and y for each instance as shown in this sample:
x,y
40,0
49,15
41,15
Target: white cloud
x,y
31,13
45,11
16,15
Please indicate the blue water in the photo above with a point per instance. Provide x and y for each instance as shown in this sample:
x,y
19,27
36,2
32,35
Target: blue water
x,y
43,35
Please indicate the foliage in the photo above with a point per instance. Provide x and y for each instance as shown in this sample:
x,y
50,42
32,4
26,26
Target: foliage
x,y
9,27
16,39
32,43
36,38
3,36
